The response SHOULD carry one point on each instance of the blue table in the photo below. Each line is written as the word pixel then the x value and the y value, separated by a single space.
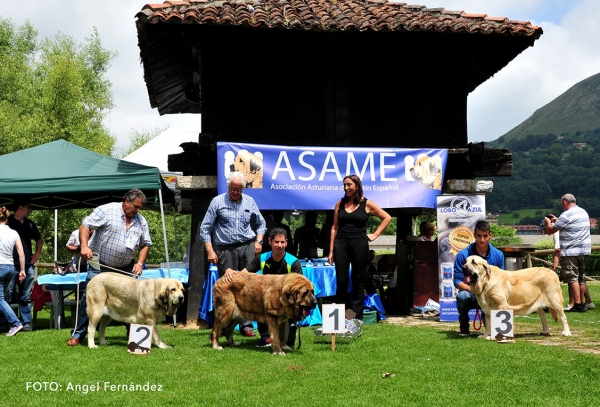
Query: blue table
pixel 323 278
pixel 71 279
pixel 69 282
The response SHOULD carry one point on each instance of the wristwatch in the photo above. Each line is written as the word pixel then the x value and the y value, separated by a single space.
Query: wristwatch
pixel 260 241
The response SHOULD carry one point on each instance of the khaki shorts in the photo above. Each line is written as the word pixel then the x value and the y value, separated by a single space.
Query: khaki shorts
pixel 572 269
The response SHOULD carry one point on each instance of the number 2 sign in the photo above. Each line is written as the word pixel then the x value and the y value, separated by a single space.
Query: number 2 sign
pixel 334 320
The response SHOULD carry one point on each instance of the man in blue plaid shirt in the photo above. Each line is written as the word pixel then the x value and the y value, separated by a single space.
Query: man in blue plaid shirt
pixel 120 232
pixel 228 224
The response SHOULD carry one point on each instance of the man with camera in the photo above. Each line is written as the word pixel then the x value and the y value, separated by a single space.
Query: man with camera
pixel 575 247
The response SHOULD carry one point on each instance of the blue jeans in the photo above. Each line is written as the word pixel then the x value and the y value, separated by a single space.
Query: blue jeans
pixel 25 295
pixel 24 289
pixel 83 320
pixel 8 277
pixel 466 301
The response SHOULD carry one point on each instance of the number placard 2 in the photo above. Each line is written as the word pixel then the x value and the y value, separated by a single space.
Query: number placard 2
pixel 334 320
pixel 140 339
pixel 502 323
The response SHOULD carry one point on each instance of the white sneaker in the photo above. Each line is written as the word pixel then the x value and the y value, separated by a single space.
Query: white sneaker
pixel 14 330
pixel 590 305
pixel 567 308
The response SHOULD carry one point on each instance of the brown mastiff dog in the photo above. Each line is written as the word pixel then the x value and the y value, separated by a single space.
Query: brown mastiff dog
pixel 125 299
pixel 271 299
pixel 523 291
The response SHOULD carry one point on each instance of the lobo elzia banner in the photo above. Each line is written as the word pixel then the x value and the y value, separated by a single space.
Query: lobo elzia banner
pixel 284 177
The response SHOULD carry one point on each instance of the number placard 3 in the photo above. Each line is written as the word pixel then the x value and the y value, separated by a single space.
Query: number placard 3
pixel 502 323
pixel 334 320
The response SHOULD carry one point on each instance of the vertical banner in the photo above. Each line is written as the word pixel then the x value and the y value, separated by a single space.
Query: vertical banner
pixel 456 219
pixel 290 178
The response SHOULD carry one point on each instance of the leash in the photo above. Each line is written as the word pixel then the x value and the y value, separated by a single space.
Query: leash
pixel 127 273
pixel 477 315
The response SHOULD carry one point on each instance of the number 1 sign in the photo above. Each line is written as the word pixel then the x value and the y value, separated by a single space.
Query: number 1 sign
pixel 334 320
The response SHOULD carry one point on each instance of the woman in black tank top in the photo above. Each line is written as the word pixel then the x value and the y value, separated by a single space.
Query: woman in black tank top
pixel 350 242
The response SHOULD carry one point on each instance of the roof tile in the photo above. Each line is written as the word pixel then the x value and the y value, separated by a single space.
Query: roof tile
pixel 334 15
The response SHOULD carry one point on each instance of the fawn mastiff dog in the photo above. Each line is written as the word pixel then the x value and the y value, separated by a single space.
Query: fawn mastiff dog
pixel 271 299
pixel 125 299
pixel 523 291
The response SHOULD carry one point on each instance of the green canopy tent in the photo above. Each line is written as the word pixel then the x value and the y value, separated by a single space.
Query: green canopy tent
pixel 61 175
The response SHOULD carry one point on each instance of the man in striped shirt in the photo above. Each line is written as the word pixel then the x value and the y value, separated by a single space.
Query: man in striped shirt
pixel 228 224
pixel 575 247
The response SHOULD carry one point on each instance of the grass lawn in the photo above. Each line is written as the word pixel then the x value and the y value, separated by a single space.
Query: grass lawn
pixel 431 366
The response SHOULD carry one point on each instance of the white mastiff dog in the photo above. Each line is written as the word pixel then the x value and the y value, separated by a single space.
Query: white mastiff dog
pixel 523 291
pixel 125 299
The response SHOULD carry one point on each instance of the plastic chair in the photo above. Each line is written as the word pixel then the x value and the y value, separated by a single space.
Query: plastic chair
pixel 50 305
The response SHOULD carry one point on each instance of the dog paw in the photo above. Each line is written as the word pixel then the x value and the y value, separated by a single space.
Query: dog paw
pixel 280 352
pixel 218 347
pixel 164 346
pixel 487 338
pixel 545 333
pixel 286 348
pixel 94 346
pixel 566 333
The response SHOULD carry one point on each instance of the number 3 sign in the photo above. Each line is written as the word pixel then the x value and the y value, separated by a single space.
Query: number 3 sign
pixel 502 323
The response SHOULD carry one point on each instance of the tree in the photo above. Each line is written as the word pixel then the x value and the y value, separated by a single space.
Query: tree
pixel 55 89
pixel 49 90
pixel 504 235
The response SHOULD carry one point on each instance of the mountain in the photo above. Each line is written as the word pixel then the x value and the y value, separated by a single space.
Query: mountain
pixel 578 109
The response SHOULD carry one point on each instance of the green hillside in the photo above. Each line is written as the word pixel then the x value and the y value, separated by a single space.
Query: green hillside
pixel 545 168
pixel 578 109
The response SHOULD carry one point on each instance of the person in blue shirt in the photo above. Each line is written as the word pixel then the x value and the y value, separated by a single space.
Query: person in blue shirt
pixel 465 299
pixel 232 231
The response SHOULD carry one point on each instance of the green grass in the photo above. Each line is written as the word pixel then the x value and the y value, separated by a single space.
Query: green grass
pixel 507 218
pixel 432 365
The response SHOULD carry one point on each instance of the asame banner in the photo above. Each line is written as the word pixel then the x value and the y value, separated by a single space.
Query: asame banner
pixel 304 178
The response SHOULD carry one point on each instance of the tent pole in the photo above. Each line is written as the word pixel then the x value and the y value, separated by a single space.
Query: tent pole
pixel 55 234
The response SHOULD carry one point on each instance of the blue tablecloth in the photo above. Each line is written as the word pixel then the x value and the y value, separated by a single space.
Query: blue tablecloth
pixel 71 278
pixel 323 278
pixel 206 305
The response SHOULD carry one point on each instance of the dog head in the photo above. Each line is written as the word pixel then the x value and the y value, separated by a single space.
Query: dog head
pixel 299 293
pixel 478 269
pixel 170 294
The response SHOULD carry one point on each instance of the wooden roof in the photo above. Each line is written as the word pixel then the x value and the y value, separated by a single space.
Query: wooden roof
pixel 172 33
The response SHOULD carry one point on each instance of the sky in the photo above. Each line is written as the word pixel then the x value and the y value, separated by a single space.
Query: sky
pixel 567 53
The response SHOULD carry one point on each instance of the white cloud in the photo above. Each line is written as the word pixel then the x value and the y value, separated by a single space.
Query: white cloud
pixel 568 52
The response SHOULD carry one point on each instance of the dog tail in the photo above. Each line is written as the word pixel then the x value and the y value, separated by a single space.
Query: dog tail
pixel 554 314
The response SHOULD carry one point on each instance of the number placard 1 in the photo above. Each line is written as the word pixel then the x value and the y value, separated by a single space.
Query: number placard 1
pixel 140 339
pixel 334 320
pixel 503 323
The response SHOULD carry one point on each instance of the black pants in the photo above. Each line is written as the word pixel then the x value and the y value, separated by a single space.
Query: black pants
pixel 263 330
pixel 353 251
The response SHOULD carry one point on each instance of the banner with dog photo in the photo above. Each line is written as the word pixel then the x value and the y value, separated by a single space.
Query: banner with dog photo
pixel 456 219
pixel 284 177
